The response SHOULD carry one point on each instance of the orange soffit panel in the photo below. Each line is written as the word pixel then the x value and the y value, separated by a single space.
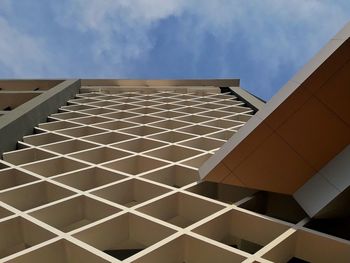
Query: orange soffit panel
pixel 294 135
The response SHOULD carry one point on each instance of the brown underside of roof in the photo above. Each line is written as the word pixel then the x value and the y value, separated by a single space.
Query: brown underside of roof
pixel 301 129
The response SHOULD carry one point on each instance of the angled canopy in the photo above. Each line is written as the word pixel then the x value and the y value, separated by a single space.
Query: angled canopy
pixel 291 139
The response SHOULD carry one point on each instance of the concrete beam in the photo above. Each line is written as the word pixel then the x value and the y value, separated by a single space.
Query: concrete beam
pixel 183 82
pixel 21 121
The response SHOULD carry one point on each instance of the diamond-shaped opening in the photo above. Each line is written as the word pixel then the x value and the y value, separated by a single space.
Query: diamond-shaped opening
pixel 234 228
pixel 199 129
pixel 187 103
pixel 168 114
pixel 34 195
pixel 146 110
pixel 20 146
pixel 174 153
pixel 194 118
pixel 151 96
pixel 4 213
pixel 233 109
pixel 19 157
pixel 91 120
pixel 74 213
pixel 139 145
pixel 124 236
pixel 90 95
pixel 144 119
pixel 128 99
pixel 186 97
pixel 97 111
pixel 147 103
pixel 270 204
pixel 124 106
pixel 175 176
pixel 61 251
pixel 81 131
pixel 3 166
pixel 109 138
pixel 166 94
pixel 144 96
pixel 135 165
pixel 222 135
pixel 223 97
pixel 120 115
pixel 143 130
pixel 100 155
pixel 205 144
pixel 89 178
pixel 239 117
pixel 67 115
pixel 11 177
pixel 168 106
pixel 38 130
pixel 115 125
pixel 237 128
pixel 224 124
pixel 76 107
pixel 191 110
pixel 226 96
pixel 131 192
pixel 221 192
pixel 69 146
pixel 57 125
pixel 18 234
pixel 107 97
pixel 216 114
pixel 230 102
pixel 197 162
pixel 166 100
pixel 205 99
pixel 103 103
pixel 237 109
pixel 180 209
pixel 44 138
pixel 303 246
pixel 189 249
pixel 171 124
pixel 172 136
pixel 210 106
pixel 112 96
pixel 82 101
pixel 54 167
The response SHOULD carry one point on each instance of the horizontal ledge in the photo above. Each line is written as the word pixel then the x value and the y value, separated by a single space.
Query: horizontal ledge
pixel 16 92
pixel 177 82
pixel 28 84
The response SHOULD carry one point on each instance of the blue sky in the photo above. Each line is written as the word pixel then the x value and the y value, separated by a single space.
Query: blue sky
pixel 261 42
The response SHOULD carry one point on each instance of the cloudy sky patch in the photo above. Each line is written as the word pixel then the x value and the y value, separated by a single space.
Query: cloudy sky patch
pixel 261 42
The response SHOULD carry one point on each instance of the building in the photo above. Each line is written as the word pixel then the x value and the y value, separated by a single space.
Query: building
pixel 177 170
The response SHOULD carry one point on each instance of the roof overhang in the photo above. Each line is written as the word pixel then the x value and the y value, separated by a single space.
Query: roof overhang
pixel 165 82
pixel 303 127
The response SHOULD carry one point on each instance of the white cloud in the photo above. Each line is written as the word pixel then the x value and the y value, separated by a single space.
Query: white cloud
pixel 22 55
pixel 274 32
pixel 5 6
pixel 121 34
pixel 123 27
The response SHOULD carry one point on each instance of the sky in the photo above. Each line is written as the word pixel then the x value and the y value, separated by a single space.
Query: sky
pixel 263 43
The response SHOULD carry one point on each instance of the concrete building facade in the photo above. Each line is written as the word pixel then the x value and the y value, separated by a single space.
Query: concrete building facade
pixel 177 170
